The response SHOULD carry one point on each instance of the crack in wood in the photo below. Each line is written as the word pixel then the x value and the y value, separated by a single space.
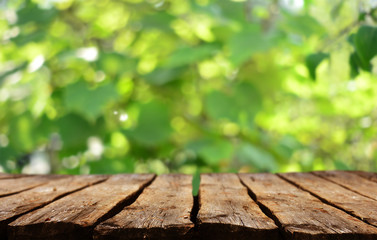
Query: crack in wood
pixel 344 185
pixel 323 200
pixel 302 215
pixel 167 202
pixel 371 176
pixel 4 223
pixel 316 213
pixel 265 210
pixel 121 205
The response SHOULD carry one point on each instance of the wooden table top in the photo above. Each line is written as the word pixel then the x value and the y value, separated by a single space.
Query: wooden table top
pixel 317 205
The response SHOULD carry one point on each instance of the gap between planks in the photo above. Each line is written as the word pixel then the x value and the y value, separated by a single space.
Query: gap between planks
pixel 161 212
pixel 11 186
pixel 115 210
pixel 264 209
pixel 120 206
pixel 372 176
pixel 351 181
pixel 294 228
pixel 227 211
pixel 75 215
pixel 196 207
pixel 30 200
pixel 341 195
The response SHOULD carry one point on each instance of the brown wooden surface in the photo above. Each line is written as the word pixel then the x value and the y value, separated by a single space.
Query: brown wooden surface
pixel 8 175
pixel 351 181
pixel 227 211
pixel 73 216
pixel 15 185
pixel 319 205
pixel 368 175
pixel 161 212
pixel 351 202
pixel 15 205
pixel 302 216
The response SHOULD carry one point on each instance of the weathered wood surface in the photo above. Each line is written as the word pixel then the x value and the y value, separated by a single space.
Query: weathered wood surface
pixel 18 204
pixel 7 175
pixel 10 186
pixel 73 216
pixel 319 205
pixel 302 216
pixel 161 212
pixel 351 202
pixel 226 211
pixel 351 181
pixel 368 175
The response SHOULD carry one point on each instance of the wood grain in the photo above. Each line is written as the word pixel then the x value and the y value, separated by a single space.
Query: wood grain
pixel 351 181
pixel 8 175
pixel 161 212
pixel 301 215
pixel 15 205
pixel 73 216
pixel 226 211
pixel 368 175
pixel 351 202
pixel 16 185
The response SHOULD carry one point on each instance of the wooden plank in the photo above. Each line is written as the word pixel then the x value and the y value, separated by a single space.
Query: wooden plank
pixel 351 181
pixel 301 215
pixel 161 212
pixel 9 175
pixel 16 185
pixel 73 216
pixel 18 204
pixel 351 202
pixel 227 211
pixel 372 176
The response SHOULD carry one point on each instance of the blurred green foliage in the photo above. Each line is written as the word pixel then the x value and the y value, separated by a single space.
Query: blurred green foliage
pixel 187 86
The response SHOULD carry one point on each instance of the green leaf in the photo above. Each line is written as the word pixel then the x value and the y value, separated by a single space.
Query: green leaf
pixel 221 106
pixel 90 103
pixel 336 9
pixel 354 62
pixel 216 151
pixel 35 36
pixel 74 132
pixel 161 76
pixel 287 146
pixel 245 43
pixel 112 166
pixel 7 153
pixel 195 183
pixel 21 133
pixel 256 157
pixel 248 99
pixel 313 60
pixel 159 20
pixel 189 55
pixel 230 10
pixel 362 16
pixel 32 13
pixel 350 38
pixel 373 14
pixel 304 25
pixel 115 63
pixel 339 165
pixel 365 43
pixel 212 150
pixel 153 125
pixel 243 100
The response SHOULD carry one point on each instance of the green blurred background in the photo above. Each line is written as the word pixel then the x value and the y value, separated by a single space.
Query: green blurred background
pixel 112 86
